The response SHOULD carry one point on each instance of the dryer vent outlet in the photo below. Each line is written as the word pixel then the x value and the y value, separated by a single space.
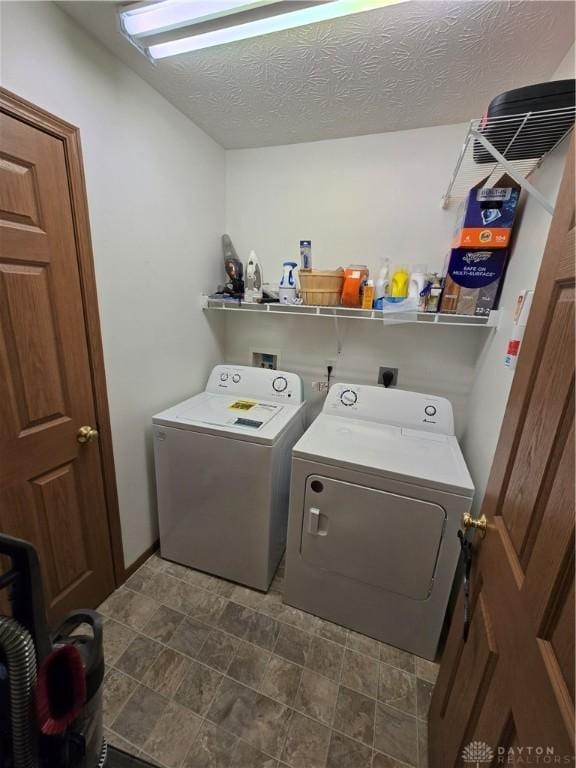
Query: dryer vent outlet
pixel 384 376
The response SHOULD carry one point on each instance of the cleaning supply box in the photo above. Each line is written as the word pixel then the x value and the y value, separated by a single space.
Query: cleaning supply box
pixel 473 280
pixel 486 217
pixel 354 278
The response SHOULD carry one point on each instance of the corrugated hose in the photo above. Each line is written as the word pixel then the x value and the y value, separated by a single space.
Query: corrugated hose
pixel 18 647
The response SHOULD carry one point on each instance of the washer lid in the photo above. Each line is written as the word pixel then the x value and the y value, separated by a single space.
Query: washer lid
pixel 243 418
pixel 423 458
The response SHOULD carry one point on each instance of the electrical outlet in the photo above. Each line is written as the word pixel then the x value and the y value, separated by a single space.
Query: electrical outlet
pixel 320 386
pixel 385 369
pixel 265 360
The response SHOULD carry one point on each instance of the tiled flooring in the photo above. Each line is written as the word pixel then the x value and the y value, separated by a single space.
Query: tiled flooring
pixel 203 673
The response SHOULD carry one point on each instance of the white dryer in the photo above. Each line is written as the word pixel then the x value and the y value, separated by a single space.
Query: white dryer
pixel 223 473
pixel 378 489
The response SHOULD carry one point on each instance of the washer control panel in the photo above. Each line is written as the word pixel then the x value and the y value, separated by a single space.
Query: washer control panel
pixel 411 410
pixel 260 383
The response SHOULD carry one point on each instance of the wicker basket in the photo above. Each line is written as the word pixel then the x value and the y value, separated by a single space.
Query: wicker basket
pixel 321 288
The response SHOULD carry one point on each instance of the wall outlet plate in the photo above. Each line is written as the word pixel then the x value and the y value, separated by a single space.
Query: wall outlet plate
pixel 264 360
pixel 384 369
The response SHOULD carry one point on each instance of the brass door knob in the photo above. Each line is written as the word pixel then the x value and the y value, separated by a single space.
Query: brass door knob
pixel 86 434
pixel 479 523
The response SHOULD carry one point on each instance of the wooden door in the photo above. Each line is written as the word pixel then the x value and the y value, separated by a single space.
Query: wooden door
pixel 511 686
pixel 52 490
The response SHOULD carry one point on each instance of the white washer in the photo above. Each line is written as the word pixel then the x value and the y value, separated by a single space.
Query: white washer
pixel 378 489
pixel 223 473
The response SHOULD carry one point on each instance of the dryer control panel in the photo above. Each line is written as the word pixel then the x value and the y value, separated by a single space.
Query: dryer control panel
pixel 260 383
pixel 411 410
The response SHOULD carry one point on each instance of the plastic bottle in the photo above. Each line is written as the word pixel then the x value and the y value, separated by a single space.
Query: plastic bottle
pixel 418 279
pixel 287 287
pixel 368 294
pixel 433 300
pixel 399 282
pixel 382 283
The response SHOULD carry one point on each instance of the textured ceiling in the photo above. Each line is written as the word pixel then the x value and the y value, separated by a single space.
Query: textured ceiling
pixel 404 66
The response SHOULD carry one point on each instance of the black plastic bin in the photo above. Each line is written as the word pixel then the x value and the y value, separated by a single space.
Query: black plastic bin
pixel 518 137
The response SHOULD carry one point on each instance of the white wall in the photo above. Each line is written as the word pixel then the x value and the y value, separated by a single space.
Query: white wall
pixel 156 195
pixel 360 198
pixel 156 198
pixel 492 380
pixel 434 360
pixel 357 199
pixel 567 66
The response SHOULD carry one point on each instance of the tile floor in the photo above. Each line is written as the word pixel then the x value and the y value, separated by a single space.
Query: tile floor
pixel 202 673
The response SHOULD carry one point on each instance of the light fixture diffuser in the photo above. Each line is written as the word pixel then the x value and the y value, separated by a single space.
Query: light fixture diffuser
pixel 175 14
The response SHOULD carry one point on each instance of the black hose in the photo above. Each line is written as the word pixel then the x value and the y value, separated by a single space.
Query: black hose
pixel 20 653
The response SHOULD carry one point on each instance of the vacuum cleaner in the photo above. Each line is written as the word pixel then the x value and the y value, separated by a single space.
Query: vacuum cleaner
pixel 50 682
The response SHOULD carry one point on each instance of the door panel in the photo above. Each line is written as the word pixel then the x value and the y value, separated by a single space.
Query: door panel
pixel 538 434
pixel 560 637
pixel 472 669
pixel 524 568
pixel 19 201
pixel 51 488
pixel 31 343
pixel 58 504
pixel 373 536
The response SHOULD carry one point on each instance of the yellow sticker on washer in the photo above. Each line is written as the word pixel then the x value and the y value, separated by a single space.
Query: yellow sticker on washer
pixel 242 405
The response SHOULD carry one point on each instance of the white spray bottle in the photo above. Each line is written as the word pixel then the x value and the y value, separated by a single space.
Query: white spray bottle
pixel 382 286
pixel 253 280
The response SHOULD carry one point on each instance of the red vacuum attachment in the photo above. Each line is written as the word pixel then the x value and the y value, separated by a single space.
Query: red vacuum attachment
pixel 60 690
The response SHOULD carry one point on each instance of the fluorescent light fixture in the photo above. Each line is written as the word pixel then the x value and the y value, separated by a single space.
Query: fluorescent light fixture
pixel 171 14
pixel 190 12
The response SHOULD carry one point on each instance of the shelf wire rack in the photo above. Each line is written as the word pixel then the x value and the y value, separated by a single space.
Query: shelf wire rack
pixel 514 145
pixel 345 313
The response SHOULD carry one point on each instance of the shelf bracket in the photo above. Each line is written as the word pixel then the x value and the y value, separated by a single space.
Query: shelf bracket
pixel 511 171
pixel 337 332
pixel 454 176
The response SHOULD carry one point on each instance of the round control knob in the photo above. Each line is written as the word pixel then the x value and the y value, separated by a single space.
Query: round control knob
pixel 430 410
pixel 223 377
pixel 280 383
pixel 236 378
pixel 348 397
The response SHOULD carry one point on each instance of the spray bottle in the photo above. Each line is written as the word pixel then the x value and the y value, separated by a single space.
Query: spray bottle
pixel 382 286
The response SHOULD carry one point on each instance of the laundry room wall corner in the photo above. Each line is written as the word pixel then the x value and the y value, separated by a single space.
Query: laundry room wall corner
pixel 344 195
pixel 155 186
pixel 492 380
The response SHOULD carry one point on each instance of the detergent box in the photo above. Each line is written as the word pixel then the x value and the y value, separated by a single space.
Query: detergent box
pixel 486 217
pixel 472 281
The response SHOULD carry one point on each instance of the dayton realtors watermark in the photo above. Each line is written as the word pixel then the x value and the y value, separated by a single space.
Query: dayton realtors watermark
pixel 480 755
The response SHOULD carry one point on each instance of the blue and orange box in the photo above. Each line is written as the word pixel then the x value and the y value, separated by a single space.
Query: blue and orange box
pixel 486 217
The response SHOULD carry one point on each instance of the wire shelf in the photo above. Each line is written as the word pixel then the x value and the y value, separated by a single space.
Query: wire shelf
pixel 306 310
pixel 515 145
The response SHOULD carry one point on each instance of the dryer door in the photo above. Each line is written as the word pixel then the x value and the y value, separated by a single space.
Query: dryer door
pixel 372 536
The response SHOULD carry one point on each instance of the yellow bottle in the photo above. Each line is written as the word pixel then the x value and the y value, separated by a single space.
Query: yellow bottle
pixel 399 282
pixel 368 294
